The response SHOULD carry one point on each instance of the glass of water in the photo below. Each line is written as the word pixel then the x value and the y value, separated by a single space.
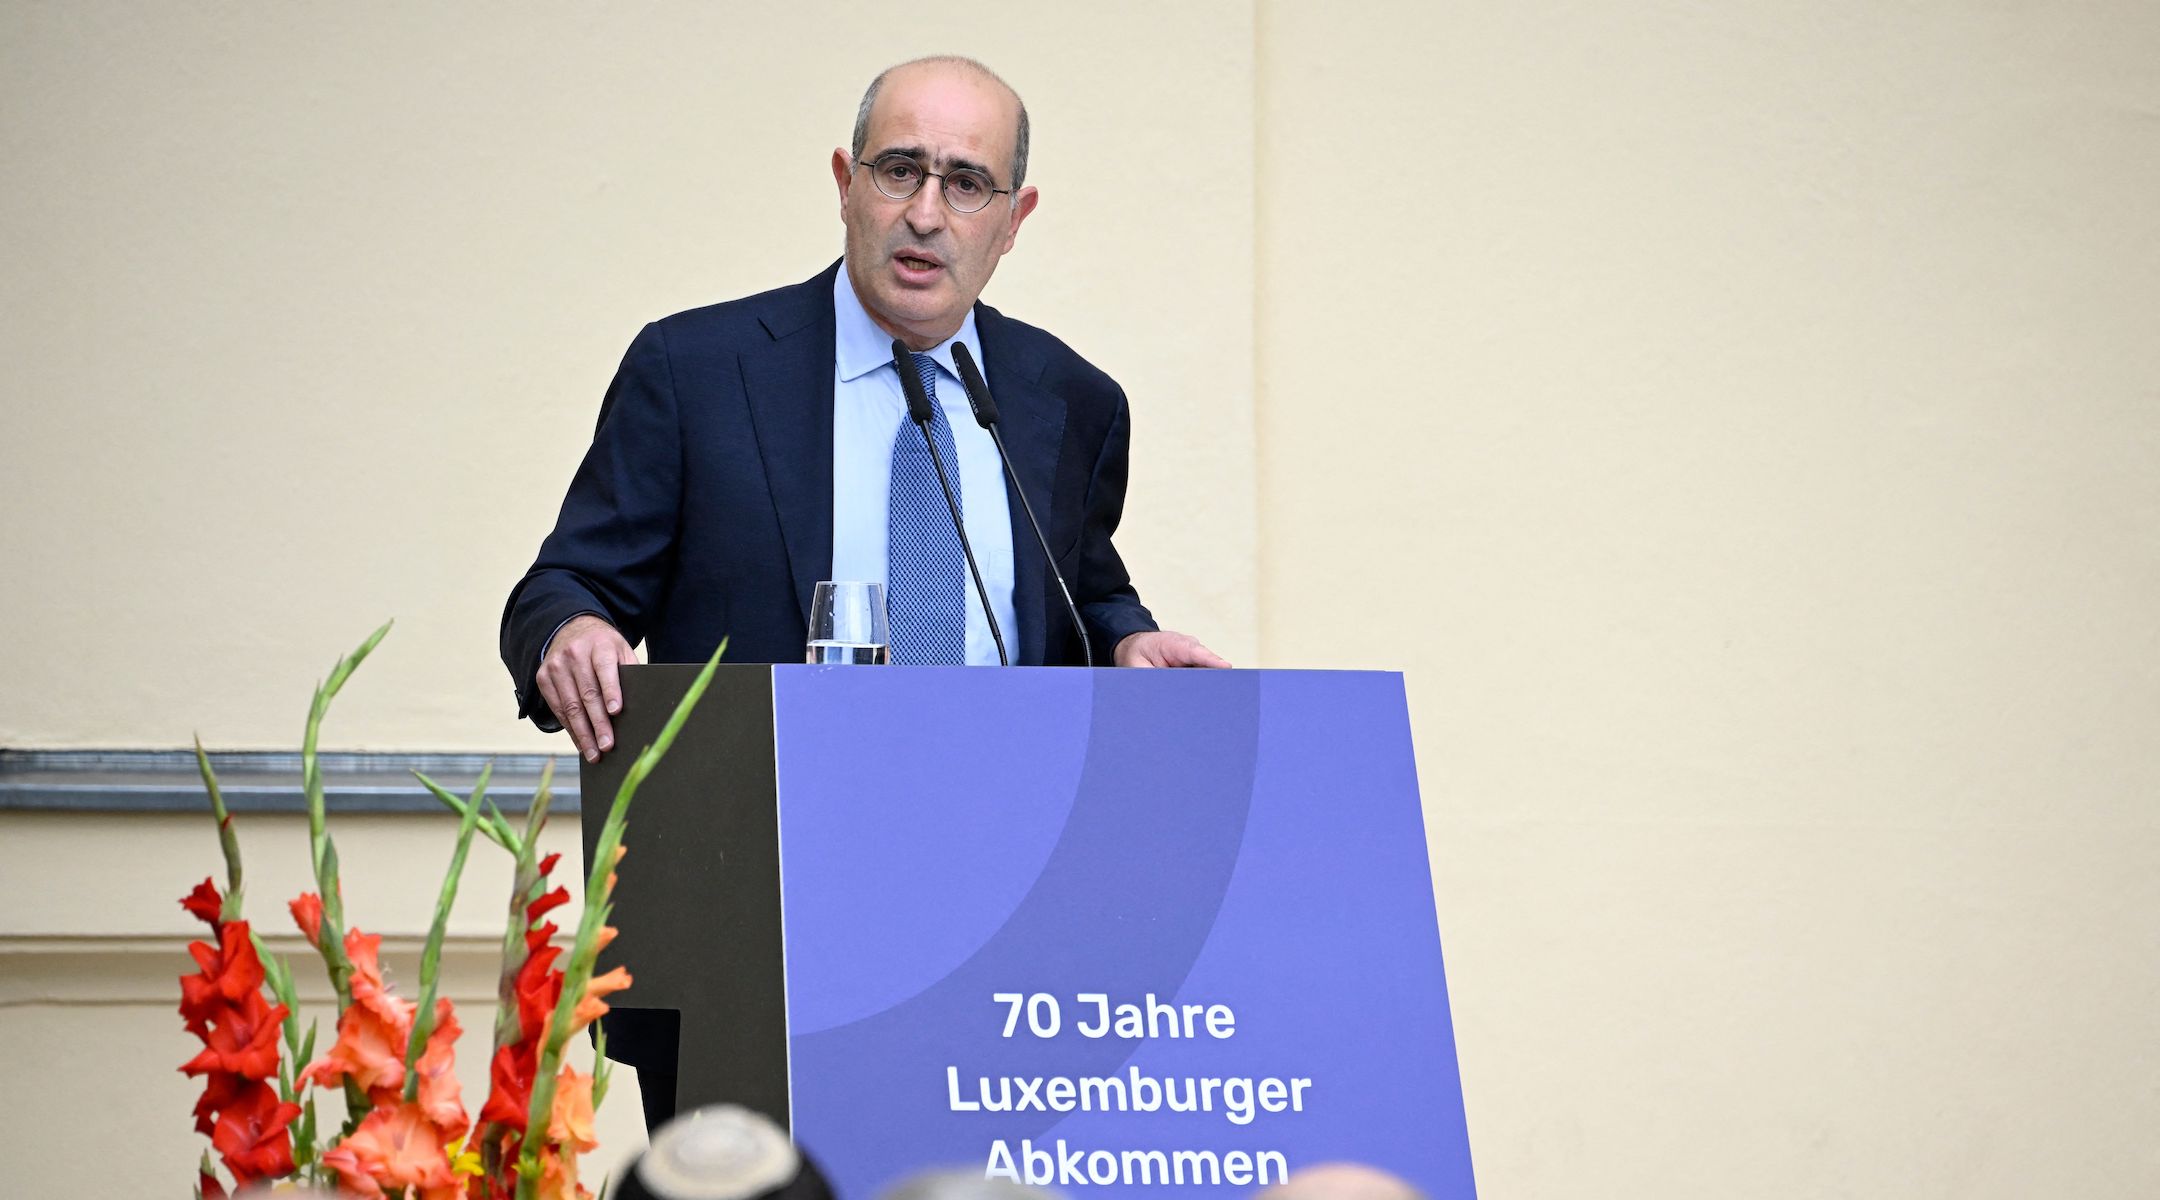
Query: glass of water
pixel 847 623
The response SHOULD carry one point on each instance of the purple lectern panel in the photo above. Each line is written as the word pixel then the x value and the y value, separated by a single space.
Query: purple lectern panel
pixel 1131 931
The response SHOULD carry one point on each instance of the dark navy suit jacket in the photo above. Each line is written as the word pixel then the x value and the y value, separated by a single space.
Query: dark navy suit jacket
pixel 703 509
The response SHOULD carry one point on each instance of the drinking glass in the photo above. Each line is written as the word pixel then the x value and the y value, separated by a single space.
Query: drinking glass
pixel 847 623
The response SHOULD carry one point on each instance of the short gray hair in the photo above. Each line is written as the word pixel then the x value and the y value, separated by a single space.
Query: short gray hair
pixel 870 95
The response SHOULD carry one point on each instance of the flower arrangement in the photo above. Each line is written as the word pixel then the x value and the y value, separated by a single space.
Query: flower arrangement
pixel 406 1132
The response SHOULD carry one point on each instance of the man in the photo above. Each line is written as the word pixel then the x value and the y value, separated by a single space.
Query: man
pixel 748 450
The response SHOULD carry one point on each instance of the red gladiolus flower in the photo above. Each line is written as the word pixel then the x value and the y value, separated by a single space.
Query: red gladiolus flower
pixel 219 1089
pixel 511 1071
pixel 205 903
pixel 510 1082
pixel 223 1005
pixel 538 986
pixel 242 1039
pixel 535 935
pixel 308 915
pixel 254 1137
pixel 224 975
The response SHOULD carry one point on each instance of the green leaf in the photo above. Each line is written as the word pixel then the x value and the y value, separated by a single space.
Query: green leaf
pixel 500 829
pixel 457 804
pixel 431 956
pixel 304 1140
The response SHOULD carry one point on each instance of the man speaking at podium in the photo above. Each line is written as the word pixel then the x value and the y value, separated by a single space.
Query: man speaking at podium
pixel 747 450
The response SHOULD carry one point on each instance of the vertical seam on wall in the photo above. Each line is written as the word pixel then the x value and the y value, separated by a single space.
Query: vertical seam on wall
pixel 1258 294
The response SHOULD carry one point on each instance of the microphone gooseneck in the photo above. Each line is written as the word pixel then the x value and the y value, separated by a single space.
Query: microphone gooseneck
pixel 986 415
pixel 920 412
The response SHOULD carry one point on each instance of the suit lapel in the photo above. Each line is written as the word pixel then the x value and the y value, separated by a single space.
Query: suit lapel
pixel 789 381
pixel 1032 420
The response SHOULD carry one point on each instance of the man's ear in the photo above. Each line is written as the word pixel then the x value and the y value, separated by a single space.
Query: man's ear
pixel 843 174
pixel 1023 203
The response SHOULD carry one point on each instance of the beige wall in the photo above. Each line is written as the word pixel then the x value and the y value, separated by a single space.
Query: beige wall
pixel 313 307
pixel 1740 424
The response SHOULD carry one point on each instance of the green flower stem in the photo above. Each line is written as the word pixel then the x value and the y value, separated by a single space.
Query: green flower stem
pixel 322 851
pixel 228 837
pixel 431 955
pixel 579 970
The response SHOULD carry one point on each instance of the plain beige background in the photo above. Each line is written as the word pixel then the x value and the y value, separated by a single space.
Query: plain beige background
pixel 1738 422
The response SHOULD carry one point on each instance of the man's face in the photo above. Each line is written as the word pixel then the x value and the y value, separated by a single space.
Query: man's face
pixel 916 264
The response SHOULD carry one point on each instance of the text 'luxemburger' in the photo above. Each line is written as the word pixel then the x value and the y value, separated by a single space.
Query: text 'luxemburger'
pixel 1238 1098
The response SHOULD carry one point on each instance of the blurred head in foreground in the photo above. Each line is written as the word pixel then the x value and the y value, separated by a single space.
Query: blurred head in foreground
pixel 962 1185
pixel 722 1152
pixel 1340 1181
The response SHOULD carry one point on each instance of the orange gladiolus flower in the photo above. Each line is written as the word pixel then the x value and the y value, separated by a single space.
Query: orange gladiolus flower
pixel 558 1179
pixel 396 1148
pixel 570 1122
pixel 593 1006
pixel 439 1097
pixel 307 913
pixel 370 1046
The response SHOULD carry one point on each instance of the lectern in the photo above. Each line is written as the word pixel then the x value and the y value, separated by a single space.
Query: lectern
pixel 1146 931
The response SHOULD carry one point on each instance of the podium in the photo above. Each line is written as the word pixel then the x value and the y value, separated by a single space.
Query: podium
pixel 1110 929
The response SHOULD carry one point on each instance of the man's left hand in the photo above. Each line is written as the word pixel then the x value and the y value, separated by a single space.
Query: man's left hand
pixel 1163 648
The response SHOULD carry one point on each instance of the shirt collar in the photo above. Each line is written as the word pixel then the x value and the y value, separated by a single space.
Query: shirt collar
pixel 860 347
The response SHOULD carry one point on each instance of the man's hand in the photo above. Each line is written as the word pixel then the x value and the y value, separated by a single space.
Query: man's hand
pixel 578 680
pixel 1162 648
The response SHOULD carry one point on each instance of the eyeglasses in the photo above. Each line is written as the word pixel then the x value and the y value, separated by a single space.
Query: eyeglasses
pixel 899 176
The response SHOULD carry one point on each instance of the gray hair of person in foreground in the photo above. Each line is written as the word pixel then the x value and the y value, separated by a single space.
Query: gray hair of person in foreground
pixel 870 95
pixel 962 1185
pixel 1340 1181
pixel 722 1152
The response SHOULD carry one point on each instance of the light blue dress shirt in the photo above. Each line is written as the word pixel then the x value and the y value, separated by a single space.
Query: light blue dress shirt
pixel 868 411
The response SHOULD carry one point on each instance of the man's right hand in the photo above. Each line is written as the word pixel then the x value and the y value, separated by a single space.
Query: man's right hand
pixel 578 680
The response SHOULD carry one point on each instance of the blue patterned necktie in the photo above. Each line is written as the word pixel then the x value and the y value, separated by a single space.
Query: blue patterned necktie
pixel 925 574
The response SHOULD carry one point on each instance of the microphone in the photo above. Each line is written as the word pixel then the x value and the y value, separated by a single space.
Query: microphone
pixel 918 406
pixel 986 415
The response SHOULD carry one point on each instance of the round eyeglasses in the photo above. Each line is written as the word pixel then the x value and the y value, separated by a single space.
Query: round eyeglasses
pixel 899 176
